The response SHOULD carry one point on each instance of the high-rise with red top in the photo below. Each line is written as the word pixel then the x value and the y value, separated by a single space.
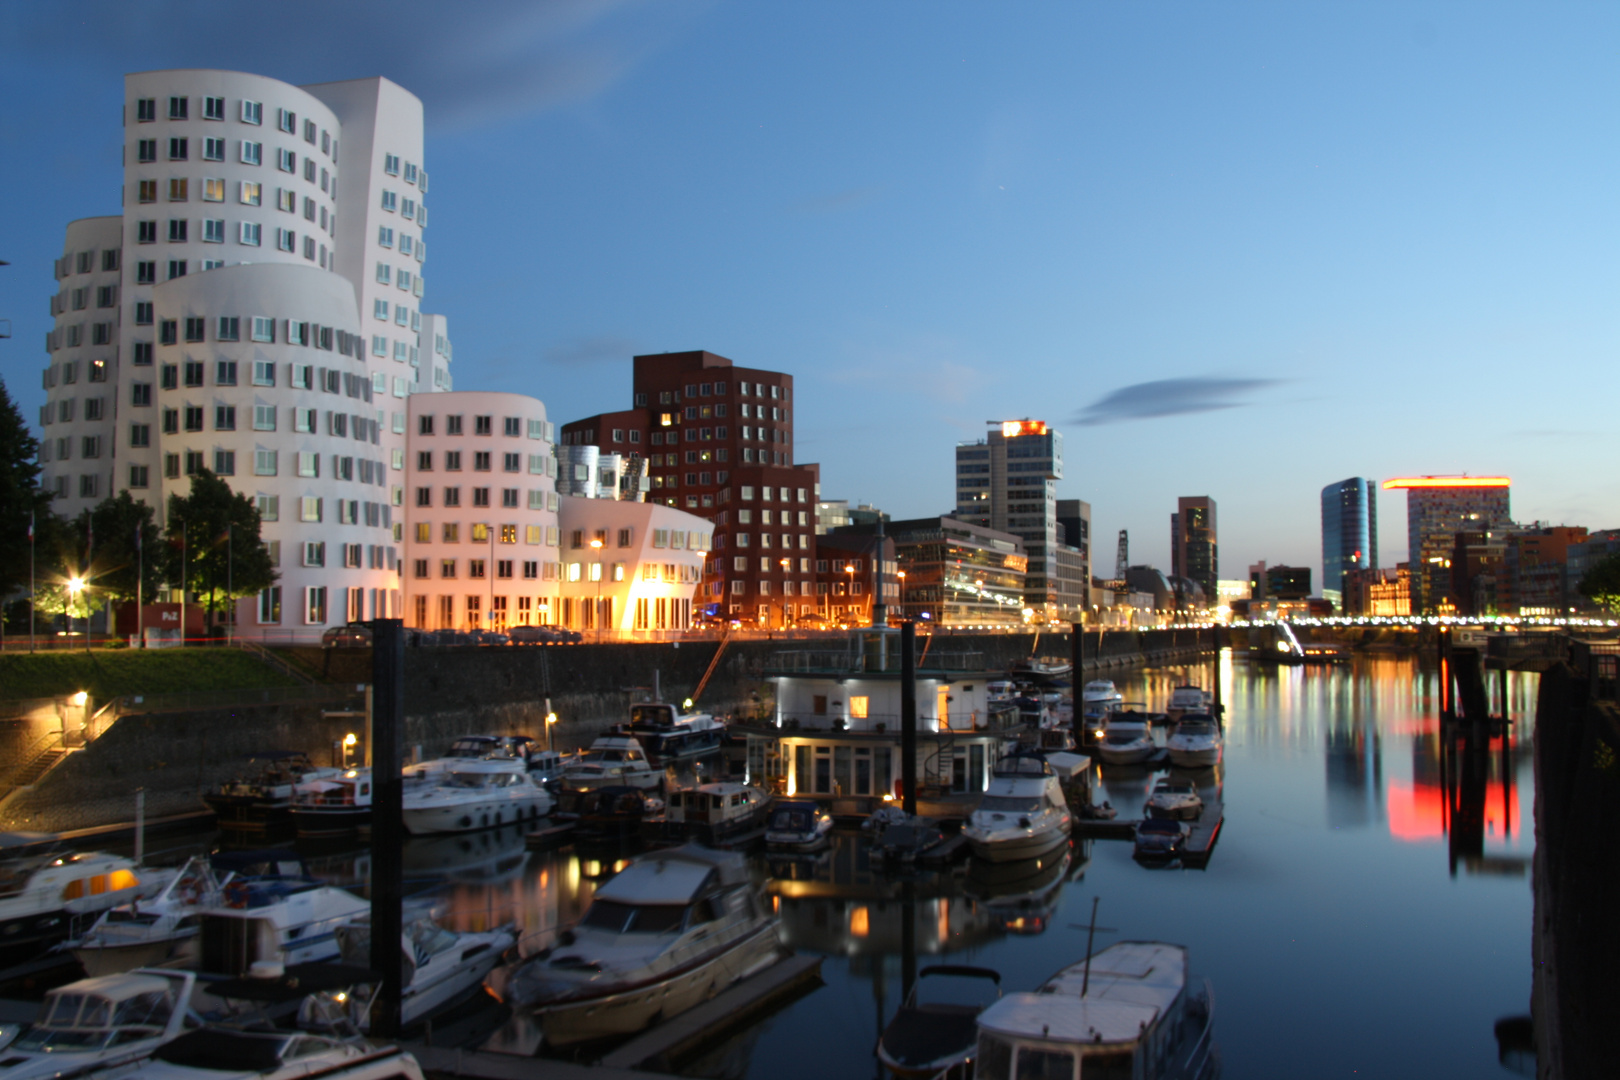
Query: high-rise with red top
pixel 718 441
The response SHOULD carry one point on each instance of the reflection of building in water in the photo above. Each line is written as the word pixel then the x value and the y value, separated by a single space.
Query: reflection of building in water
pixel 548 895
pixel 1355 783
pixel 1464 788
pixel 841 904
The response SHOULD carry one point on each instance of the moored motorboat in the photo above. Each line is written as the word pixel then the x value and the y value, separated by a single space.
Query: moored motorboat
pixel 666 734
pixel 1187 699
pixel 715 814
pixel 219 1053
pixel 1195 741
pixel 333 805
pixel 1161 838
pixel 102 1025
pixel 928 1038
pixel 1022 814
pixel 613 811
pixel 672 929
pixel 272 911
pixel 798 825
pixel 611 761
pixel 1174 799
pixel 1100 695
pixel 475 794
pixel 518 748
pixel 1127 1012
pixel 440 966
pixel 265 800
pixel 1126 740
pixel 159 930
pixel 45 893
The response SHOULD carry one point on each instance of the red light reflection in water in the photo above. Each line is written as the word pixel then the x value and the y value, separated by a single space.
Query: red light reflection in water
pixel 1417 810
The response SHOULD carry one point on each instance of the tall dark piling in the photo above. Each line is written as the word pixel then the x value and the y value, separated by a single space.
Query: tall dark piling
pixel 908 716
pixel 387 824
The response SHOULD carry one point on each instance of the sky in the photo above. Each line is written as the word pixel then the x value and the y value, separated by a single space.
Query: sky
pixel 1241 250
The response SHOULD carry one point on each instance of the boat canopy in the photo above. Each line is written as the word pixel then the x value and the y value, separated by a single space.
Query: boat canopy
pixel 223 1050
pixel 1054 1018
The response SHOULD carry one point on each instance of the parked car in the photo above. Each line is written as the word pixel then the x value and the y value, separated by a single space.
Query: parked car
pixel 348 636
pixel 543 635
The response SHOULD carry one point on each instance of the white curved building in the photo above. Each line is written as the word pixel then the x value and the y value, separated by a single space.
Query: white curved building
pixel 308 204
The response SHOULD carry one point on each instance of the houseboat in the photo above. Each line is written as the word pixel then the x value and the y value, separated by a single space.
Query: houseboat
pixel 666 734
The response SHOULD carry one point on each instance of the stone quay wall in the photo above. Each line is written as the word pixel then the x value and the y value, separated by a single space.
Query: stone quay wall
pixel 450 692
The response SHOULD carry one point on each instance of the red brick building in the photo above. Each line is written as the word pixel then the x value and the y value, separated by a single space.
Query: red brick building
pixel 718 442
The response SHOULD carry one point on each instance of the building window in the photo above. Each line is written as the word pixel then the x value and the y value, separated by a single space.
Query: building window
pixel 264 461
pixel 225 462
pixel 315 605
pixel 177 230
pixel 252 153
pixel 177 149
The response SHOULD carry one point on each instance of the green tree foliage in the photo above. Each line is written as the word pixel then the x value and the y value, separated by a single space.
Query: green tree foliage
pixel 115 560
pixel 213 543
pixel 1601 585
pixel 20 495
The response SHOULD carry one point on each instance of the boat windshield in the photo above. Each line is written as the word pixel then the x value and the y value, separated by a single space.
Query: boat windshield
pixel 795 820
pixel 617 918
pixel 1195 727
pixel 470 779
pixel 1119 738
pixel 1007 804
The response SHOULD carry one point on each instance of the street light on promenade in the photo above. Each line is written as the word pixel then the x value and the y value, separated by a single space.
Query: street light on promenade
pixel 597 544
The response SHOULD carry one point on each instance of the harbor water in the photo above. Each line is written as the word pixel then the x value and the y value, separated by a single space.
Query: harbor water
pixel 1366 908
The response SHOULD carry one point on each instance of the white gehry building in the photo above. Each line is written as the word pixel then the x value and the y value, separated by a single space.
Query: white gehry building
pixel 256 310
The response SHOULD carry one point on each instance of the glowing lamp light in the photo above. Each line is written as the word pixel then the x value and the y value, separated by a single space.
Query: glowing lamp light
pixel 80 698
pixel 350 739
pixel 687 704
pixel 551 718
pixel 1447 482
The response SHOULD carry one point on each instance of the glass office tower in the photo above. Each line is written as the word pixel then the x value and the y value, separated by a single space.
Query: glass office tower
pixel 1349 531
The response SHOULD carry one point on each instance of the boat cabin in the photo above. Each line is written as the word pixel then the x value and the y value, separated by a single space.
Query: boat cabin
pixel 714 804
pixel 96 1014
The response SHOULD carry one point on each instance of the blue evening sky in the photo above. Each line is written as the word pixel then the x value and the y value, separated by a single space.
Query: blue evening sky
pixel 1233 249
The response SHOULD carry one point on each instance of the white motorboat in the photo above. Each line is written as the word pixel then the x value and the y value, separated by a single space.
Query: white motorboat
pixel 474 748
pixel 1175 799
pixel 147 933
pixel 475 794
pixel 715 813
pixel 333 805
pixel 1023 812
pixel 1187 699
pixel 1001 692
pixel 216 1053
pixel 672 929
pixel 1127 1012
pixel 281 917
pixel 611 761
pixel 1100 695
pixel 1126 739
pixel 100 1026
pixel 798 825
pixel 666 734
pixel 441 966
pixel 45 893
pixel 547 765
pixel 1195 741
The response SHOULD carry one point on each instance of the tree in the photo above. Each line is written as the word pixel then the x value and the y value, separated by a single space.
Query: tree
pixel 213 543
pixel 115 559
pixel 1601 585
pixel 20 495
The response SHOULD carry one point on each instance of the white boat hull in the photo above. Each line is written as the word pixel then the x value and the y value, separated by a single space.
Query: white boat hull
pixel 1013 848
pixel 632 1010
pixel 474 815
pixel 127 956
pixel 1197 759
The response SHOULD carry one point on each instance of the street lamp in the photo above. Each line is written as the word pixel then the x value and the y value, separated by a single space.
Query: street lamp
pixel 75 587
pixel 902 575
pixel 849 568
pixel 597 544
pixel 787 568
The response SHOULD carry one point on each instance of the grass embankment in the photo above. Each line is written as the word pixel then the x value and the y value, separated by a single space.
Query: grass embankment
pixel 108 673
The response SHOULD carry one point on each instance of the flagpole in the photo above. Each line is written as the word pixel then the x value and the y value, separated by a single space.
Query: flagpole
pixel 183 569
pixel 140 572
pixel 30 581
pixel 230 595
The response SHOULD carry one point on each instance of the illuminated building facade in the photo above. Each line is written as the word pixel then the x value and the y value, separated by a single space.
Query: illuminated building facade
pixel 1349 532
pixel 1194 548
pixel 716 440
pixel 956 573
pixel 1437 508
pixel 1008 482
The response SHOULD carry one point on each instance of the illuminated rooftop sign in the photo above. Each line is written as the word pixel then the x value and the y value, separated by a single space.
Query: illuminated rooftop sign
pixel 1011 429
pixel 1447 482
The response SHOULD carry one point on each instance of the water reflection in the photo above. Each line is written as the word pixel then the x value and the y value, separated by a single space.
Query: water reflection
pixel 1346 808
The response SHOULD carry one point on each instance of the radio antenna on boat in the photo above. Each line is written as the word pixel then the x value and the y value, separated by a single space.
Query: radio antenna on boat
pixel 1091 936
